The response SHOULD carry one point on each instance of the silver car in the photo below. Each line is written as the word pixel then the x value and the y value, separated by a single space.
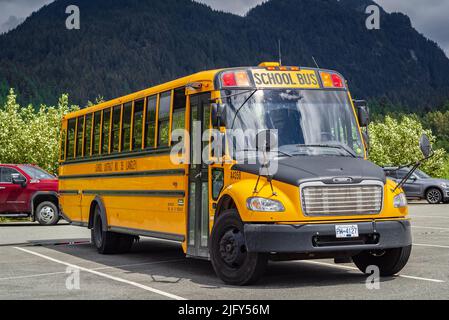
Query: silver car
pixel 420 185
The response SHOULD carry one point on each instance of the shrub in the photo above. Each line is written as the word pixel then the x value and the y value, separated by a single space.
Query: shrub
pixel 395 142
pixel 30 136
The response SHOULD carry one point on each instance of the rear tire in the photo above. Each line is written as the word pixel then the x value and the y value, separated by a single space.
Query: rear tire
pixel 230 260
pixel 434 196
pixel 106 242
pixel 47 213
pixel 389 261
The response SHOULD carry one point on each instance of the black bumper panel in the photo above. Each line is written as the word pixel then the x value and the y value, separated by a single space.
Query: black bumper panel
pixel 306 238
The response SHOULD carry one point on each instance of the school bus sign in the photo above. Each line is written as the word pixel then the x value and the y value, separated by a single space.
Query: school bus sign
pixel 291 79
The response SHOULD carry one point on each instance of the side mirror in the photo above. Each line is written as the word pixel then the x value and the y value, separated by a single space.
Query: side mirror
pixel 18 179
pixel 362 112
pixel 426 146
pixel 218 115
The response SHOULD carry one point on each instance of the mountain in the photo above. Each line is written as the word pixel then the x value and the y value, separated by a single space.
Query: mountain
pixel 128 45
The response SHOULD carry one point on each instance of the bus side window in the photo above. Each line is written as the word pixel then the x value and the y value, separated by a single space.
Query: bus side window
pixel 62 155
pixel 164 119
pixel 71 139
pixel 126 127
pixel 87 135
pixel 115 135
pixel 179 111
pixel 105 131
pixel 96 135
pixel 138 124
pixel 79 137
pixel 150 127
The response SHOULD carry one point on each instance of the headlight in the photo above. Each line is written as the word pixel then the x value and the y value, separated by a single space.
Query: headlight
pixel 264 205
pixel 400 201
pixel 445 185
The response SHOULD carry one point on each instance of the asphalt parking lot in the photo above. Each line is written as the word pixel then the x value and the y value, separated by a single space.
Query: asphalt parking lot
pixel 43 263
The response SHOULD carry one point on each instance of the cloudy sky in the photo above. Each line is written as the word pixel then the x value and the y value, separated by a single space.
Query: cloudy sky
pixel 429 17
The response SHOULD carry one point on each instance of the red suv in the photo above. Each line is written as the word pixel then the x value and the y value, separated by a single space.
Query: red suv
pixel 27 190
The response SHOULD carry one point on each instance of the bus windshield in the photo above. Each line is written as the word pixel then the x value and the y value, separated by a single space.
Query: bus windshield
pixel 308 122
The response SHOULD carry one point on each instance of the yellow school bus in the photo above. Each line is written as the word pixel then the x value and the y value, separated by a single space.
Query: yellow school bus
pixel 323 199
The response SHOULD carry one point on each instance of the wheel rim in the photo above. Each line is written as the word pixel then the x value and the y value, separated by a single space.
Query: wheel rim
pixel 233 248
pixel 47 214
pixel 98 232
pixel 434 196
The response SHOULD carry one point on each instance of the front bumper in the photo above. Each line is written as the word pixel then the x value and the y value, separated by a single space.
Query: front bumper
pixel 320 238
pixel 446 194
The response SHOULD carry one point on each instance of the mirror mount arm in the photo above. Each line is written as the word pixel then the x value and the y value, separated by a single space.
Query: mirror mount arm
pixel 415 167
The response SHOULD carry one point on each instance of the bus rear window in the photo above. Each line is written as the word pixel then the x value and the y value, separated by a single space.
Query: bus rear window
pixel 164 119
pixel 71 139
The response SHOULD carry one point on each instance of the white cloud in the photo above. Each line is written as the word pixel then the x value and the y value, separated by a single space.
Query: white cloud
pixel 17 8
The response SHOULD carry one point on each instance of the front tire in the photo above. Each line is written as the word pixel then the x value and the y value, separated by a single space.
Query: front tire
pixel 230 259
pixel 389 261
pixel 434 196
pixel 47 213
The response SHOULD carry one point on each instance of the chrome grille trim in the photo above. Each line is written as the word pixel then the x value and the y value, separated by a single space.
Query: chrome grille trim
pixel 319 199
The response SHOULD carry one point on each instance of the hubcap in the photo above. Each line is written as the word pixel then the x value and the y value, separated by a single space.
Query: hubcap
pixel 47 214
pixel 232 248
pixel 434 196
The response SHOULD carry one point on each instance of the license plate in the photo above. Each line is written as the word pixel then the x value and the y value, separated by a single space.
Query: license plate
pixel 347 231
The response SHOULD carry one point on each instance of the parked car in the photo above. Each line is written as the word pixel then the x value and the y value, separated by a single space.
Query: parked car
pixel 420 185
pixel 28 191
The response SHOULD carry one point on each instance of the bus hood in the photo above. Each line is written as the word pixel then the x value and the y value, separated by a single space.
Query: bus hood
pixel 330 170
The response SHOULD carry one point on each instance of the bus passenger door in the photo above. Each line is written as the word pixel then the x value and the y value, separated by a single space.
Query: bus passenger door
pixel 198 220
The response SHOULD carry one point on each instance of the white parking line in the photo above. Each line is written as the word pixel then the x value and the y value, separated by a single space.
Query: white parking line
pixel 95 269
pixel 430 245
pixel 432 228
pixel 354 268
pixel 426 216
pixel 104 275
pixel 32 276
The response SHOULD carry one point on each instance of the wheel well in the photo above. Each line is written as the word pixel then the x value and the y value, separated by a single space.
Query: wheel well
pixel 225 203
pixel 433 187
pixel 45 197
pixel 93 205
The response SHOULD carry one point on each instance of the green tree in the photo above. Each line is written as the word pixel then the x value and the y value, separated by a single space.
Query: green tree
pixel 395 142
pixel 30 136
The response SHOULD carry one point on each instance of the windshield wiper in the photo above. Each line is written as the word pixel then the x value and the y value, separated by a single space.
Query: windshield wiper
pixel 241 107
pixel 333 146
pixel 278 151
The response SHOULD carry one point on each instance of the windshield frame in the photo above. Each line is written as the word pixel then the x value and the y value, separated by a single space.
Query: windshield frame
pixel 29 170
pixel 352 116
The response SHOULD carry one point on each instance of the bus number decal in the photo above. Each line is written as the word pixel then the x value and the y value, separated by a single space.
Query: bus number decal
pixel 236 175
pixel 130 165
